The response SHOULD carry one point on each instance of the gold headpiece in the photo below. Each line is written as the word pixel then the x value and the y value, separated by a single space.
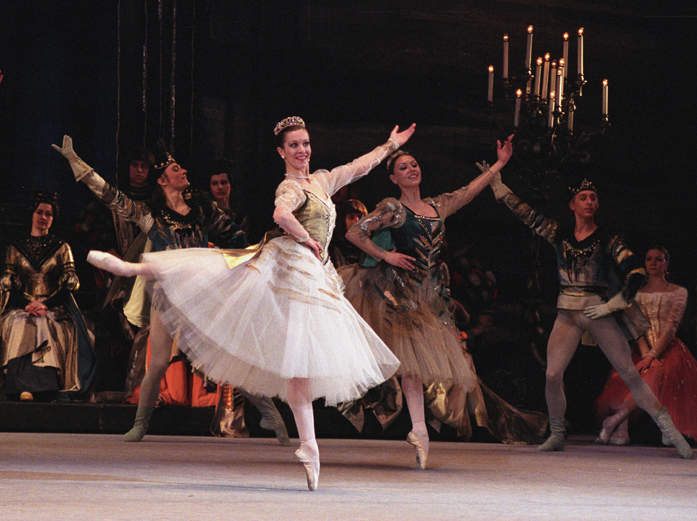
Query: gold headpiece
pixel 585 185
pixel 166 161
pixel 162 156
pixel 293 121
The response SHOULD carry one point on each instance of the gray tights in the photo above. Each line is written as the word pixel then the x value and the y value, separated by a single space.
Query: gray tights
pixel 563 341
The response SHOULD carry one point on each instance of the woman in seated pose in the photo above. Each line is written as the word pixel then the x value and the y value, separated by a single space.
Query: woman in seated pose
pixel 586 255
pixel 662 360
pixel 271 319
pixel 46 347
pixel 403 297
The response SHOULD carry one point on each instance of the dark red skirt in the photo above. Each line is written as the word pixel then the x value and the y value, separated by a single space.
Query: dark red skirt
pixel 674 383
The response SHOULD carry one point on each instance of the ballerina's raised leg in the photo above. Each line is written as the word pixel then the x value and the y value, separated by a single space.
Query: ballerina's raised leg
pixel 113 264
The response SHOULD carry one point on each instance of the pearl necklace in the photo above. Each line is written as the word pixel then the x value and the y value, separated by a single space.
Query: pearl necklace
pixel 298 177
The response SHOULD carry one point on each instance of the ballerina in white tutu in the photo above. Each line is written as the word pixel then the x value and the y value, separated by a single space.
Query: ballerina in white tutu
pixel 272 319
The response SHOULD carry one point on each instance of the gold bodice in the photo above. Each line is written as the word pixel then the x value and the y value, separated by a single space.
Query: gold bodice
pixel 39 268
pixel 318 218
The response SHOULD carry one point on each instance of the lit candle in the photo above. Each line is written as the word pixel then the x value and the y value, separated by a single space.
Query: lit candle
pixel 538 78
pixel 565 51
pixel 605 99
pixel 579 65
pixel 516 117
pixel 545 77
pixel 550 114
pixel 490 94
pixel 560 82
pixel 505 56
pixel 553 77
pixel 528 50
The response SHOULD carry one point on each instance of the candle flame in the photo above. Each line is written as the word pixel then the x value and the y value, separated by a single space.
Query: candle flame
pixel 604 83
pixel 519 93
pixel 491 68
pixel 580 31
pixel 561 62
pixel 505 37
pixel 547 57
pixel 539 61
pixel 560 70
pixel 553 94
pixel 554 64
pixel 530 28
pixel 566 36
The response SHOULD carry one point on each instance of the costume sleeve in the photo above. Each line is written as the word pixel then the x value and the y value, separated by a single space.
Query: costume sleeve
pixel 389 213
pixel 545 228
pixel 340 176
pixel 677 309
pixel 225 232
pixel 630 267
pixel 289 196
pixel 8 279
pixel 451 202
pixel 68 277
pixel 133 211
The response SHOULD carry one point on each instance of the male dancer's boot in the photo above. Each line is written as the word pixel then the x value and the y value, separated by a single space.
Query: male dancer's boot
pixel 270 417
pixel 557 436
pixel 671 435
pixel 140 426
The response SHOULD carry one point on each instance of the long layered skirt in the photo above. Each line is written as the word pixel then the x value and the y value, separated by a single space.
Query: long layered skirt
pixel 413 319
pixel 257 318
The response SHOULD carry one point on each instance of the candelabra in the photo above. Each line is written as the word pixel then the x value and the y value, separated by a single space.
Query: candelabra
pixel 540 105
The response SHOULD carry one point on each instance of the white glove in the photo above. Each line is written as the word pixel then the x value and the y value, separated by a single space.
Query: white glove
pixel 79 167
pixel 616 303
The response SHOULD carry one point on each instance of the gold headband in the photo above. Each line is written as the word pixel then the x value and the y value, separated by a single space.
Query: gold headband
pixel 293 121
pixel 585 185
pixel 168 161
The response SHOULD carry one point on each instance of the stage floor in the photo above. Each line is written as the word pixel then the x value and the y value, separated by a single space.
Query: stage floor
pixel 98 476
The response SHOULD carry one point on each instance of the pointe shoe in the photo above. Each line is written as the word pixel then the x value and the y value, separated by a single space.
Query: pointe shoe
pixel 311 467
pixel 110 263
pixel 421 450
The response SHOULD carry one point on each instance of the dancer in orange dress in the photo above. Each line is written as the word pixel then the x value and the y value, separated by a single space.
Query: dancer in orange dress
pixel 663 361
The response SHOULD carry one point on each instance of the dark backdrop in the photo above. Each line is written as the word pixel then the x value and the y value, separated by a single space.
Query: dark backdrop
pixel 213 77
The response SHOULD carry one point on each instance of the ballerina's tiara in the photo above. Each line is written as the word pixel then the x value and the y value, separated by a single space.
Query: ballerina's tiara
pixel 585 185
pixel 393 157
pixel 293 121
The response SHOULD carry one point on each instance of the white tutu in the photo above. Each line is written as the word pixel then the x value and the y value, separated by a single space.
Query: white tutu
pixel 278 316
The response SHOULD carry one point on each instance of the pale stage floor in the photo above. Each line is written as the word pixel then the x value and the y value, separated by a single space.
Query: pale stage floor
pixel 100 477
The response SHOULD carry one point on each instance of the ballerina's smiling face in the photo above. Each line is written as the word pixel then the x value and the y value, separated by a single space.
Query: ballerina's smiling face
pixel 296 150
pixel 406 172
